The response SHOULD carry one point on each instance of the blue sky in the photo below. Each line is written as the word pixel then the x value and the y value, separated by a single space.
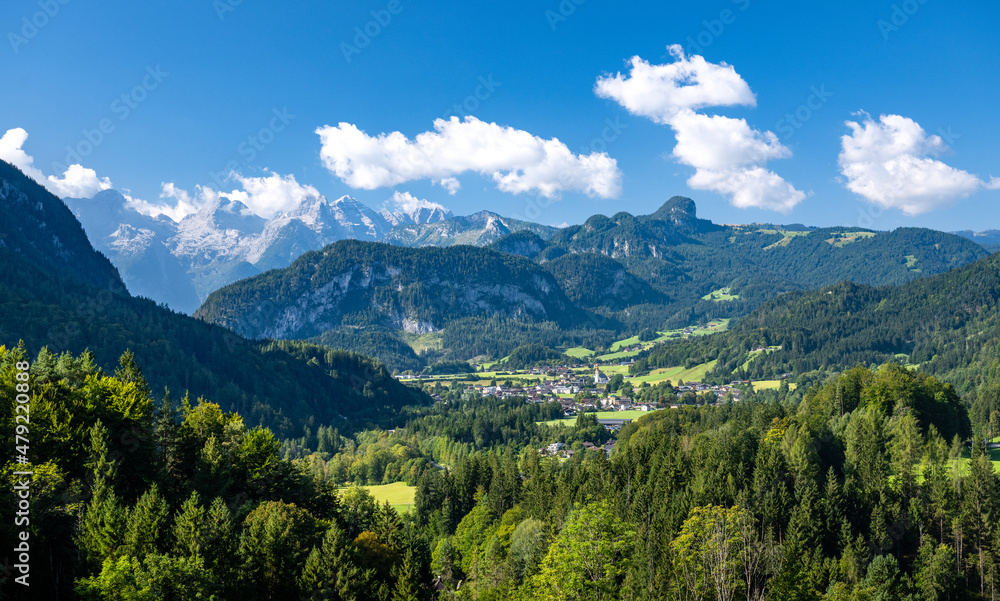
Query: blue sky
pixel 183 88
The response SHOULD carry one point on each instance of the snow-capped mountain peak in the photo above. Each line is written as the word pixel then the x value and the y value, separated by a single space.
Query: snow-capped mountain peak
pixel 405 209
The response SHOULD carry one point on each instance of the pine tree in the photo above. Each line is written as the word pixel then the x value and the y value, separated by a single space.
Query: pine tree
pixel 129 372
pixel 407 588
pixel 100 533
pixel 188 526
pixel 145 525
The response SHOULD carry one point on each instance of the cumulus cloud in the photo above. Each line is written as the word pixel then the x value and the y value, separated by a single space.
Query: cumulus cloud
pixel 659 92
pixel 264 196
pixel 76 182
pixel 10 151
pixel 268 196
pixel 729 156
pixel 177 203
pixel 408 203
pixel 889 163
pixel 516 160
pixel 451 184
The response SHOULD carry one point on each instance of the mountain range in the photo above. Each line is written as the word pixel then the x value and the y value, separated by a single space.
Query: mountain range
pixel 180 264
pixel 947 325
pixel 60 294
pixel 338 272
pixel 606 277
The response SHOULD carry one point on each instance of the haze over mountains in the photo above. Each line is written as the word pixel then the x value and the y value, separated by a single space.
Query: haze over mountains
pixel 606 277
pixel 525 285
pixel 59 293
pixel 181 264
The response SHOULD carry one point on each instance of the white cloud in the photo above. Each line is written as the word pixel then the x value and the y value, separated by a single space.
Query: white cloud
pixel 716 142
pixel 10 151
pixel 182 206
pixel 408 203
pixel 451 184
pixel 268 196
pixel 659 92
pixel 76 182
pixel 264 196
pixel 516 160
pixel 888 163
pixel 729 157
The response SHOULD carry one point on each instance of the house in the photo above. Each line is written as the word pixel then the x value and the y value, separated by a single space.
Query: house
pixel 555 447
pixel 610 446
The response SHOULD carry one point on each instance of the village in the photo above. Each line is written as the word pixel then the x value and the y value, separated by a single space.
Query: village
pixel 590 390
pixel 605 388
pixel 579 393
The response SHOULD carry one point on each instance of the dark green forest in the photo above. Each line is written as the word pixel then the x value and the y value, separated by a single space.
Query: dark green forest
pixel 173 459
pixel 946 324
pixel 860 487
pixel 606 279
pixel 380 284
pixel 280 384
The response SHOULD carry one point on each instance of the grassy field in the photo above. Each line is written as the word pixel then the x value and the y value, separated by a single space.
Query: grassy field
pixel 771 385
pixel 569 421
pixel 788 235
pixel 623 343
pixel 618 356
pixel 614 352
pixel 422 342
pixel 718 325
pixel 398 494
pixel 696 373
pixel 841 239
pixel 721 295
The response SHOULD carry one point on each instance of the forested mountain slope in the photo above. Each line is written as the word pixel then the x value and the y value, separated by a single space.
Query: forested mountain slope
pixel 67 297
pixel 948 324
pixel 413 289
pixel 478 229
pixel 38 227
